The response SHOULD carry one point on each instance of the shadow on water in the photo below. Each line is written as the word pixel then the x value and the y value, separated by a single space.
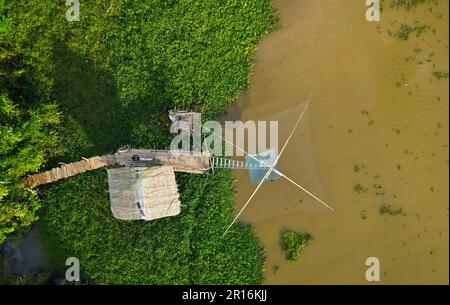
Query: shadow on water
pixel 24 260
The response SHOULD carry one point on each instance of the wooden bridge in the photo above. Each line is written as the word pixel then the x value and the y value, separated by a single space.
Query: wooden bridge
pixel 181 161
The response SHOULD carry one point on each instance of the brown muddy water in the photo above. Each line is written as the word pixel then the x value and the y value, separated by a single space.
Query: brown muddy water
pixel 376 133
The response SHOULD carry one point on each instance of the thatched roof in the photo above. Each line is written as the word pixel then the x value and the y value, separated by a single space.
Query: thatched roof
pixel 143 193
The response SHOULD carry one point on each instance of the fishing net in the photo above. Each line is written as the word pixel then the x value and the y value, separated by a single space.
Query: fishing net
pixel 278 196
pixel 259 165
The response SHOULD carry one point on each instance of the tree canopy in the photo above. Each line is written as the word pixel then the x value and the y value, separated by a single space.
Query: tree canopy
pixel 27 140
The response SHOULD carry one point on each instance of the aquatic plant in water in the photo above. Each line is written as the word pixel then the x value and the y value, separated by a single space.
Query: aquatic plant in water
pixel 441 74
pixel 294 243
pixel 405 30
pixel 409 4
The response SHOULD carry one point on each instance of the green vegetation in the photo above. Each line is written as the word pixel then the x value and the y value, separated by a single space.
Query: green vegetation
pixel 26 141
pixel 440 74
pixel 409 4
pixel 27 138
pixel 405 30
pixel 294 243
pixel 186 249
pixel 113 76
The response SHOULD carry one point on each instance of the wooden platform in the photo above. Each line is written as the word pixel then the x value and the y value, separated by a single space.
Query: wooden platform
pixel 181 161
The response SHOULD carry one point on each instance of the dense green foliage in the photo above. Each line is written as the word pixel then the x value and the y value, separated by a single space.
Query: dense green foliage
pixel 180 250
pixel 27 137
pixel 294 243
pixel 27 140
pixel 114 74
pixel 117 71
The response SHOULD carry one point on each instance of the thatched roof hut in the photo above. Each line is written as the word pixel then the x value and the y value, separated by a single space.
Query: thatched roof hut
pixel 143 192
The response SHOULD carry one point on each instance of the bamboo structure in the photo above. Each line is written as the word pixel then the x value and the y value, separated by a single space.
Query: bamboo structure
pixel 180 161
pixel 69 170
pixel 184 119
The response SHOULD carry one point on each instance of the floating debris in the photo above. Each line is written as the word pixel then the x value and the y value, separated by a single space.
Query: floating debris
pixel 275 269
pixel 388 209
pixel 363 214
pixel 358 189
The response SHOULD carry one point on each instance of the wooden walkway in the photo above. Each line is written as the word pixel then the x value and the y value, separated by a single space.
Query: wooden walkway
pixel 68 170
pixel 181 161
